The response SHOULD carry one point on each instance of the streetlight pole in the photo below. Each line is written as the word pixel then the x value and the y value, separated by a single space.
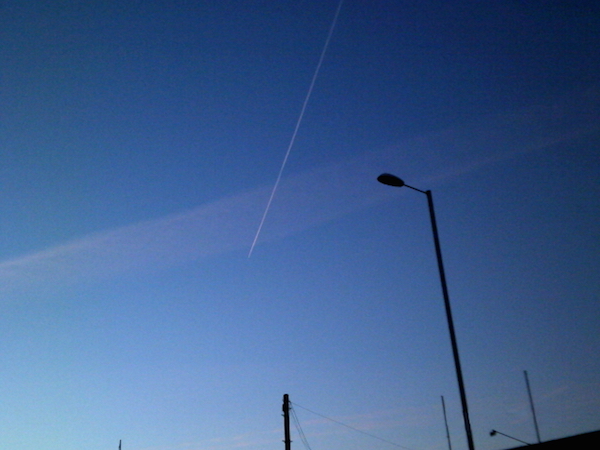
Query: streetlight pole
pixel 392 180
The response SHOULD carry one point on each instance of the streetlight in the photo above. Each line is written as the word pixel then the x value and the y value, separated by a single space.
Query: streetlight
pixel 495 432
pixel 392 180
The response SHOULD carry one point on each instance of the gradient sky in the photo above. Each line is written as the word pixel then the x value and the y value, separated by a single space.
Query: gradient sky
pixel 139 143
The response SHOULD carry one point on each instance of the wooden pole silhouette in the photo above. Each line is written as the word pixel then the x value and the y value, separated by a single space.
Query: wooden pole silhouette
pixel 286 422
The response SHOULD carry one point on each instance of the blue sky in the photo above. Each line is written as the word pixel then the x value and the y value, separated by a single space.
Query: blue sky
pixel 139 143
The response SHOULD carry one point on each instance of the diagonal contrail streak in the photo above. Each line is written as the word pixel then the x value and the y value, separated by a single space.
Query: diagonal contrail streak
pixel 292 140
pixel 318 196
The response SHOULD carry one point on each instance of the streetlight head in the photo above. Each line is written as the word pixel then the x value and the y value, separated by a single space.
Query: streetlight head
pixel 390 180
pixel 493 433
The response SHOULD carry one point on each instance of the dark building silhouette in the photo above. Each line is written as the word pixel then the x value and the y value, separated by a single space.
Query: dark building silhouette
pixel 585 441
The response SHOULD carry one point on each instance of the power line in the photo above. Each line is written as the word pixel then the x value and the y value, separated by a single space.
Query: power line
pixel 300 430
pixel 352 428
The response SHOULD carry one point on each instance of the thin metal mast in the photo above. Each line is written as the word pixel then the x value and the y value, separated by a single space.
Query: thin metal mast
pixel 446 422
pixel 537 430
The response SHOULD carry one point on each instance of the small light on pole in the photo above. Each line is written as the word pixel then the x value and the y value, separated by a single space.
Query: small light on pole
pixel 495 432
pixel 393 180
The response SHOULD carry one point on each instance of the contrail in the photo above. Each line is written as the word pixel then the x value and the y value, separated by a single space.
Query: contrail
pixel 287 154
pixel 319 195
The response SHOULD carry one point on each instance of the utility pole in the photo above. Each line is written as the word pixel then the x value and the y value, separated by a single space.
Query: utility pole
pixel 119 444
pixel 286 422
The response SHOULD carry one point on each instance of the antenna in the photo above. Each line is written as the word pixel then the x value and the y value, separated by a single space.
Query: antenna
pixel 446 422
pixel 537 430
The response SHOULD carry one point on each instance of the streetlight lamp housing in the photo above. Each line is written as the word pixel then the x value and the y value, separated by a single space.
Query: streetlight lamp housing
pixel 390 180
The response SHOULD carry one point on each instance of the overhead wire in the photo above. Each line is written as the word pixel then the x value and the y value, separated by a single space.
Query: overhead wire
pixel 352 428
pixel 300 430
